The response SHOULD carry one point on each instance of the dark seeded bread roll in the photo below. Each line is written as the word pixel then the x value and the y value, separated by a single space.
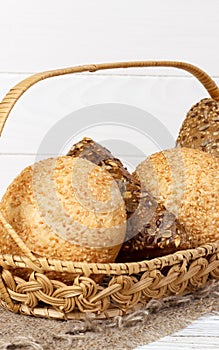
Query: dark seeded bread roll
pixel 200 129
pixel 151 229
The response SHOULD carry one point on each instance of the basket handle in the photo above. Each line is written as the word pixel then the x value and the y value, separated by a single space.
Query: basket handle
pixel 15 93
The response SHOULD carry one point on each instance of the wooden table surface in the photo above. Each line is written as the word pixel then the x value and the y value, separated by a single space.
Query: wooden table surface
pixel 202 334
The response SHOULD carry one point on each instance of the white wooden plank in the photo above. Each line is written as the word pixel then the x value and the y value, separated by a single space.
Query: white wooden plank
pixel 167 99
pixel 10 167
pixel 193 343
pixel 206 326
pixel 38 35
pixel 7 81
pixel 200 335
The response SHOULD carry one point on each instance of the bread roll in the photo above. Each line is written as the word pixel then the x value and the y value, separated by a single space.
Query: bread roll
pixel 186 181
pixel 65 208
pixel 200 129
pixel 151 229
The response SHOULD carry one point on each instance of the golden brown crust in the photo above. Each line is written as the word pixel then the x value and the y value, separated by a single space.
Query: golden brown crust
pixel 58 217
pixel 187 183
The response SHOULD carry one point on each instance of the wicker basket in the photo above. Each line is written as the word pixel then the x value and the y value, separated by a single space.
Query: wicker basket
pixel 125 287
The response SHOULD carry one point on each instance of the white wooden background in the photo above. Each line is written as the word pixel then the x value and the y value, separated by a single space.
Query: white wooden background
pixel 41 35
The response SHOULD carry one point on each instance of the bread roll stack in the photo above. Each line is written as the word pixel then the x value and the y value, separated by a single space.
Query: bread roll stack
pixel 151 229
pixel 186 181
pixel 65 208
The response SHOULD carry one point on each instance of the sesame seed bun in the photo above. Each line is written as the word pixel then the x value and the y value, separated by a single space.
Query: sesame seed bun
pixel 65 208
pixel 186 181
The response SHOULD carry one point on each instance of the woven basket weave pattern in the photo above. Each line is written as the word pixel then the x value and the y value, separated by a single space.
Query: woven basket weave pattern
pixel 30 285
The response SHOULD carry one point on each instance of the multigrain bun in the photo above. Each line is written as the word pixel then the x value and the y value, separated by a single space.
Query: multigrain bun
pixel 186 181
pixel 65 208
pixel 151 229
pixel 200 129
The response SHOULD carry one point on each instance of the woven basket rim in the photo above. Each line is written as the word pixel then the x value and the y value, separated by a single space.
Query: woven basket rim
pixel 48 264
